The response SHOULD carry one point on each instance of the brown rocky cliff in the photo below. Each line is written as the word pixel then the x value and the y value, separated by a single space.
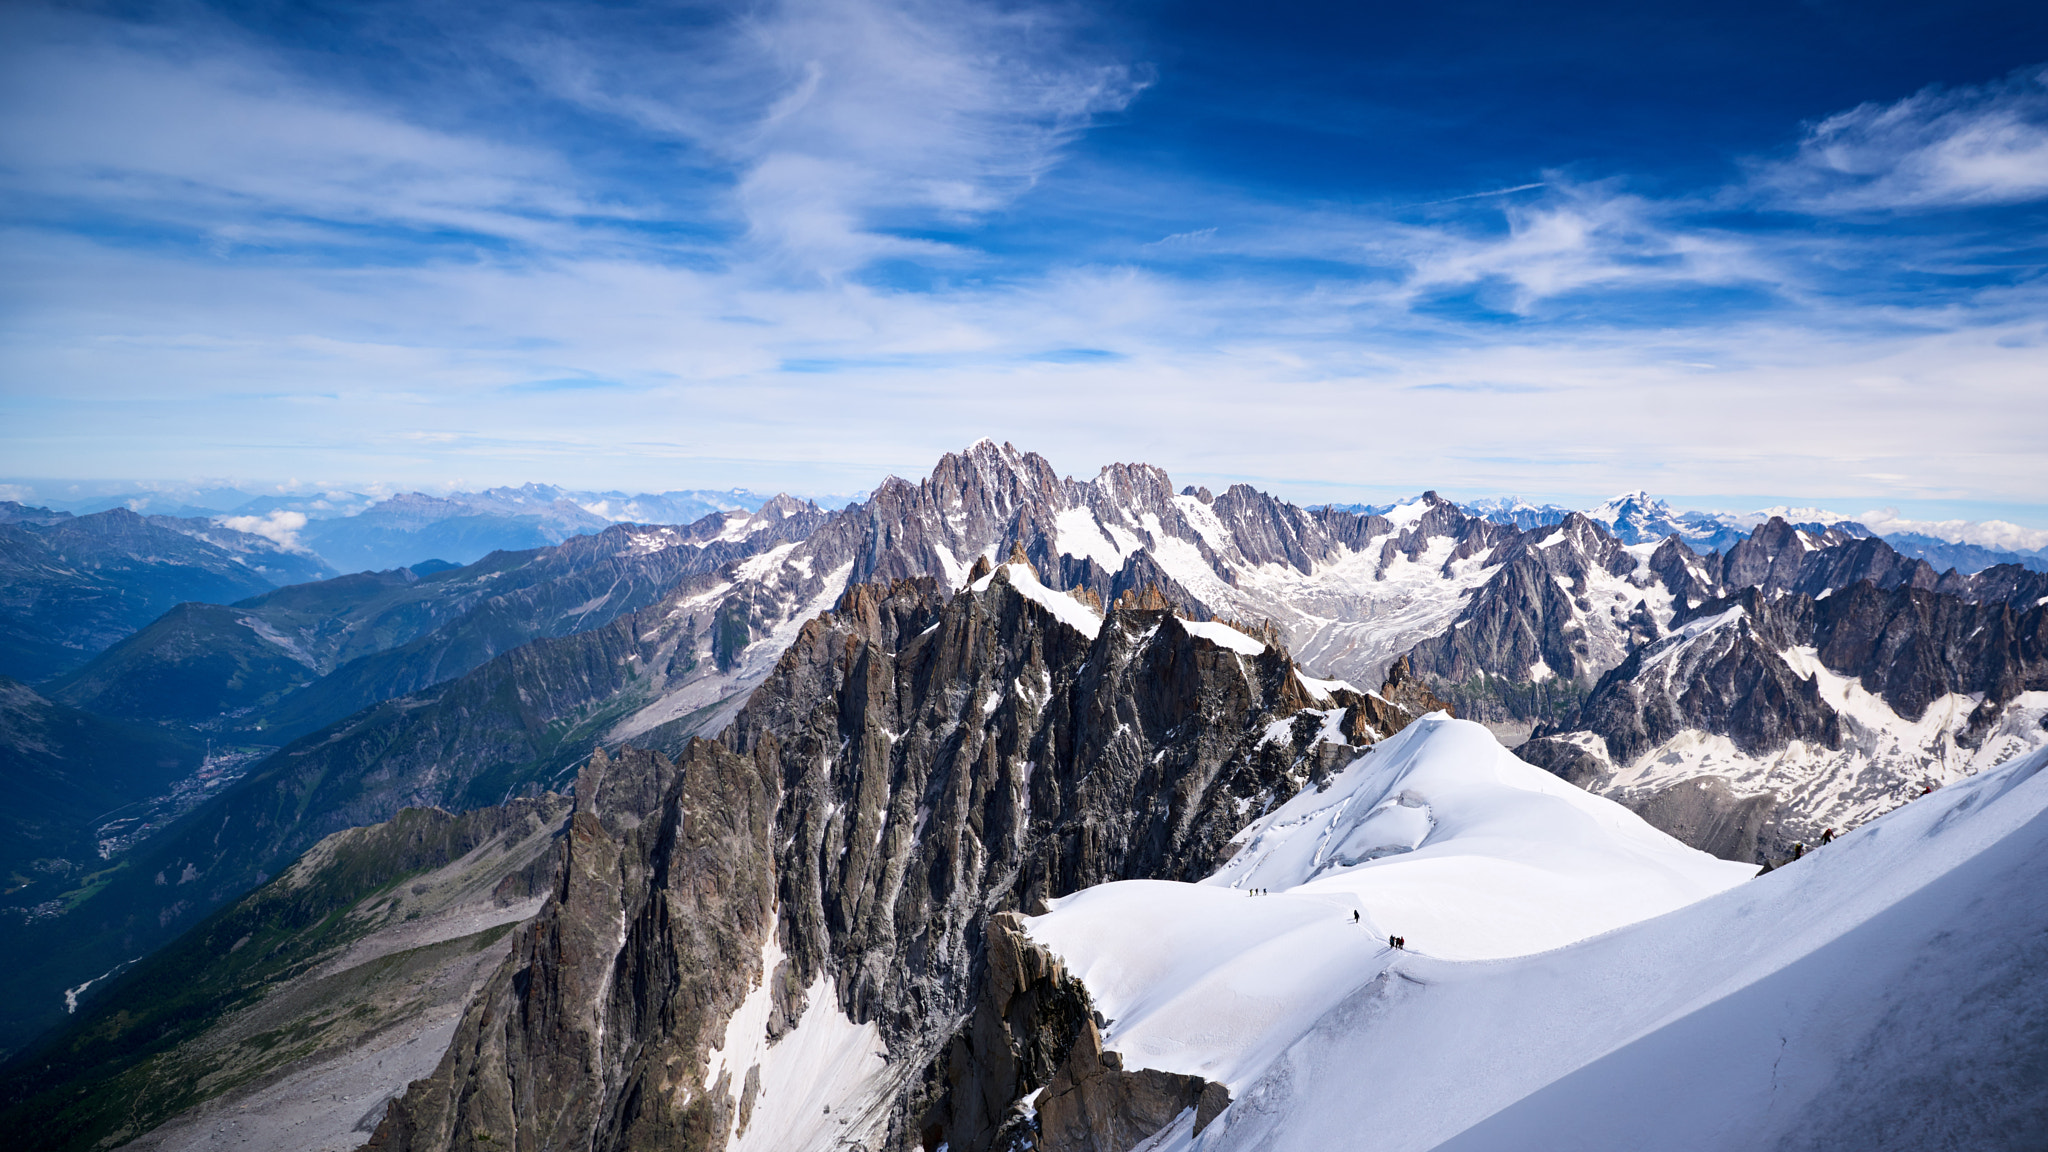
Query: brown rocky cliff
pixel 1093 1104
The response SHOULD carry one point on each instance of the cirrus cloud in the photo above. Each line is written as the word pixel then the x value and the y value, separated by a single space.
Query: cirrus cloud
pixel 1939 148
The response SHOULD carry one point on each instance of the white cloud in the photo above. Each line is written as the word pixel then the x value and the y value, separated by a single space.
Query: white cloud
pixel 199 129
pixel 1580 237
pixel 850 121
pixel 280 527
pixel 840 133
pixel 1998 534
pixel 1937 149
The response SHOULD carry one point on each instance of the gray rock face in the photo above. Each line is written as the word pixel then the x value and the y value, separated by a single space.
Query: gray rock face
pixel 1093 1105
pixel 1571 603
pixel 1567 603
pixel 918 762
pixel 1027 1017
pixel 1034 1032
pixel 1749 668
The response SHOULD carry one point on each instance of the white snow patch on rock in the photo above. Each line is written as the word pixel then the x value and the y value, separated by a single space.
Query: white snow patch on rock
pixel 1223 636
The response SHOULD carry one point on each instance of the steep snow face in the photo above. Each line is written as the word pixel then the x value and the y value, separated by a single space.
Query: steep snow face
pixel 1437 834
pixel 1224 636
pixel 1881 993
pixel 812 1088
pixel 1063 607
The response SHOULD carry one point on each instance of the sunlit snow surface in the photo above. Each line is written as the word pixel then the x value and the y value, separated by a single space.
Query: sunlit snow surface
pixel 1064 607
pixel 1881 993
pixel 1438 835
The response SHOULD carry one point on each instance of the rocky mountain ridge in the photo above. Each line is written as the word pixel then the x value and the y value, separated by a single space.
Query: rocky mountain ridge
pixel 1516 627
pixel 1765 718
pixel 299 658
pixel 72 586
pixel 916 762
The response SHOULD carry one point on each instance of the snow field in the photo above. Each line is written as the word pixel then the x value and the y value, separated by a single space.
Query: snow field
pixel 1224 636
pixel 1881 993
pixel 816 1082
pixel 1437 834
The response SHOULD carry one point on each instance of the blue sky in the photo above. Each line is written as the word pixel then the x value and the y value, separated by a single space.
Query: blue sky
pixel 1738 254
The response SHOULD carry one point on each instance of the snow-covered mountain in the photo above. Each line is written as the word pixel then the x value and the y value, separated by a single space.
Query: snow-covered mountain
pixel 1970 547
pixel 1038 853
pixel 1438 836
pixel 1516 511
pixel 1347 593
pixel 1790 707
pixel 1516 629
pixel 1876 994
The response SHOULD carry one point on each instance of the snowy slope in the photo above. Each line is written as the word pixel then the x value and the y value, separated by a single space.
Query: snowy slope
pixel 1345 608
pixel 1881 993
pixel 1438 834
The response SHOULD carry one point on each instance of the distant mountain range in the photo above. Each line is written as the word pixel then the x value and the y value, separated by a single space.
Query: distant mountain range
pixel 1640 518
pixel 816 756
pixel 352 532
pixel 72 585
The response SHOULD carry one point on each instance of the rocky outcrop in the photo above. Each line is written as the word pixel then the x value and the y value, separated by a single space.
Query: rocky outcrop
pixel 1034 1035
pixel 1093 1104
pixel 1026 1019
pixel 919 762
pixel 599 1023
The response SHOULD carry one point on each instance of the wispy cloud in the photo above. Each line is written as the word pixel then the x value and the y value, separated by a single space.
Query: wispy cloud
pixel 1482 195
pixel 199 129
pixel 1937 149
pixel 1579 237
pixel 851 125
pixel 507 302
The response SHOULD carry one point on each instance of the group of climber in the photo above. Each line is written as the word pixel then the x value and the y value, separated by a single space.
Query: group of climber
pixel 1827 836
